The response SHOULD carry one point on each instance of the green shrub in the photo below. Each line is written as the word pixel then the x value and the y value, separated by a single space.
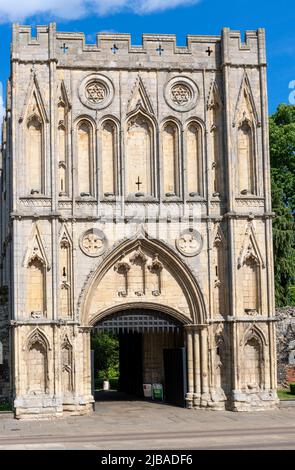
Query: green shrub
pixel 291 295
pixel 98 383
pixel 5 406
pixel 3 295
pixel 292 387
pixel 114 383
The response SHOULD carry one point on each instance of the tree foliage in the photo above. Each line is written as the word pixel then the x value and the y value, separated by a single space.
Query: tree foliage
pixel 282 157
pixel 106 354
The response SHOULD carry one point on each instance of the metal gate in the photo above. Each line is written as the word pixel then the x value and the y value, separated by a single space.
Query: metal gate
pixel 138 321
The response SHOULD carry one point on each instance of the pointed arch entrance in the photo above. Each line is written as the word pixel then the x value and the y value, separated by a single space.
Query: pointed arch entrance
pixel 146 276
pixel 149 354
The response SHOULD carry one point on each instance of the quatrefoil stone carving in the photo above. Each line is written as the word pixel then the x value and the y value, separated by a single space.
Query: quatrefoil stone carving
pixel 93 242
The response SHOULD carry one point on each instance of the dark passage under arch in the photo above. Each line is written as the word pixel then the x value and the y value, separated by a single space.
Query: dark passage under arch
pixel 151 352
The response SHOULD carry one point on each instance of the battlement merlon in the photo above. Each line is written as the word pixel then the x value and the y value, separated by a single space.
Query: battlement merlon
pixel 70 49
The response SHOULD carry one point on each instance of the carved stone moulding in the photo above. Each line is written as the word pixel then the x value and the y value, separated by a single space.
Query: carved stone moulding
pixel 189 242
pixel 93 242
pixel 86 203
pixel 247 202
pixel 64 204
pixel 35 202
pixel 96 91
pixel 181 93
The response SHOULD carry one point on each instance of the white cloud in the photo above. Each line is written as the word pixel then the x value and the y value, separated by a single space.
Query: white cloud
pixel 19 10
pixel 149 6
pixel 103 7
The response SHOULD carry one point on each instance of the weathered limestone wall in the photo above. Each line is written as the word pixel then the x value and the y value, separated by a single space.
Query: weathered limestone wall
pixel 285 345
pixel 153 345
pixel 42 390
pixel 140 179
pixel 5 391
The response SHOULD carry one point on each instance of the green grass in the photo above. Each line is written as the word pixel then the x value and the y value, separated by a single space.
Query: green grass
pixel 5 407
pixel 285 394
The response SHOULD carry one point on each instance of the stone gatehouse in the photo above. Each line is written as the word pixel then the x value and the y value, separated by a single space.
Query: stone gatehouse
pixel 135 183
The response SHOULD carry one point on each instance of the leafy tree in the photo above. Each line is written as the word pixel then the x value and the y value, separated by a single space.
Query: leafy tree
pixel 283 243
pixel 106 354
pixel 282 157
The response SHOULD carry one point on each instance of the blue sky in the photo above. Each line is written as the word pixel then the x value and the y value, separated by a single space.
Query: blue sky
pixel 178 17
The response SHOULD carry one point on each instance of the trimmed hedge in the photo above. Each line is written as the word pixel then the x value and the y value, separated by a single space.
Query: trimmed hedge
pixel 113 383
pixel 5 406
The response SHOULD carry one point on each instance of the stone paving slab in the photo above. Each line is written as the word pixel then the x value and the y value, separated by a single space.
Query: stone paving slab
pixel 287 403
pixel 145 425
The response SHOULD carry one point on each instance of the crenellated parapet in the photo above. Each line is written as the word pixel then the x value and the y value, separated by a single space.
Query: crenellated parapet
pixel 114 50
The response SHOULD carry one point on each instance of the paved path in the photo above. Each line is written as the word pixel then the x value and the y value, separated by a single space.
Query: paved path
pixel 134 425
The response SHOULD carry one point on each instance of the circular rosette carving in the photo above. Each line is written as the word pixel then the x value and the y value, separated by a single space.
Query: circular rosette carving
pixel 93 242
pixel 181 93
pixel 96 91
pixel 189 242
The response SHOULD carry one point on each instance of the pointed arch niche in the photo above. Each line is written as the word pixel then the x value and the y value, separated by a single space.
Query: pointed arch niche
pixel 170 152
pixel 35 154
pixel 34 118
pixel 65 266
pixel 251 263
pixel 246 161
pixel 66 366
pixel 251 283
pixel 85 158
pixel 37 265
pixel 246 121
pixel 219 276
pixel 62 165
pixel 194 159
pixel 215 138
pixel 139 154
pixel 37 364
pixel 36 297
pixel 253 362
pixel 62 142
pixel 222 372
pixel 109 158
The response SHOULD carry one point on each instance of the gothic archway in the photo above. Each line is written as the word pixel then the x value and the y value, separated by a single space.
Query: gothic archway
pixel 144 350
pixel 148 275
pixel 142 272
